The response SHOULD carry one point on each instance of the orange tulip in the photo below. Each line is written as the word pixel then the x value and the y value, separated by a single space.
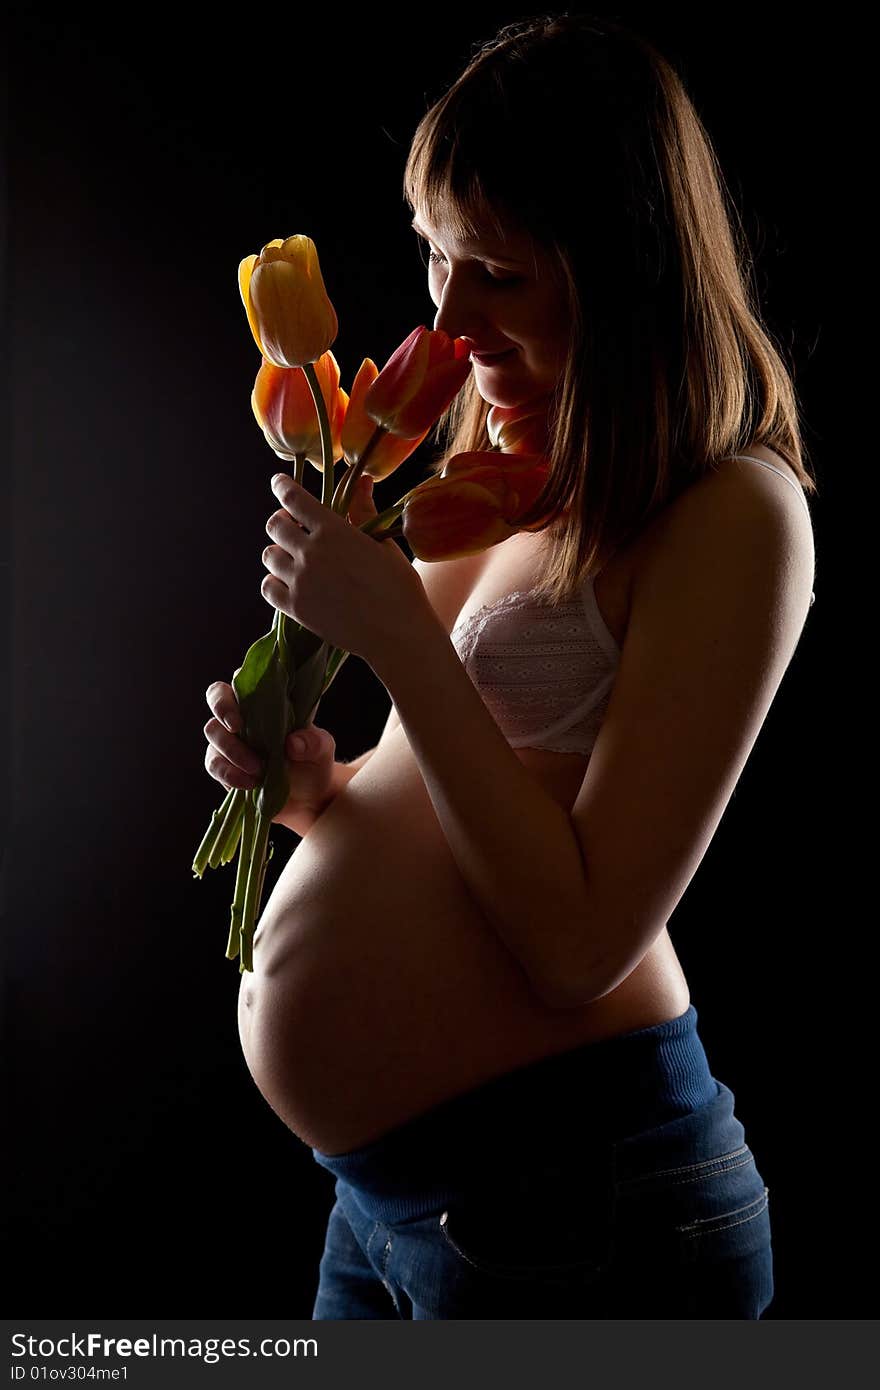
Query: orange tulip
pixel 291 317
pixel 473 504
pixel 418 382
pixel 519 429
pixel 389 450
pixel 285 409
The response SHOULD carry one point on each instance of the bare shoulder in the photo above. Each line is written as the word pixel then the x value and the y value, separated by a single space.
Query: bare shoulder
pixel 750 512
pixel 743 471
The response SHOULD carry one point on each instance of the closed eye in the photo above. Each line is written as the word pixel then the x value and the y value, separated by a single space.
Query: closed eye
pixel 435 258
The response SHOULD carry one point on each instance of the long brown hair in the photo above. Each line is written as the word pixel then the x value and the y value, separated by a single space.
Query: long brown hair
pixel 578 131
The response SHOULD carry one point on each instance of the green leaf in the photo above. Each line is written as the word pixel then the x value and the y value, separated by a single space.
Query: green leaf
pixel 303 643
pixel 307 684
pixel 253 668
pixel 260 685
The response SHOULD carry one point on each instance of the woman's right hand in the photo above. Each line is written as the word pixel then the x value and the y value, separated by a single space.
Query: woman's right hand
pixel 232 763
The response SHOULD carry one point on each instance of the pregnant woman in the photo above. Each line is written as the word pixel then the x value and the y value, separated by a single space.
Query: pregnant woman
pixel 465 998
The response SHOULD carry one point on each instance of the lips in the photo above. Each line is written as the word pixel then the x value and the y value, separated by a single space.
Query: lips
pixel 491 356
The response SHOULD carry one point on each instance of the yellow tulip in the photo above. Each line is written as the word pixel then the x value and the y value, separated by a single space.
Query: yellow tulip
pixel 291 317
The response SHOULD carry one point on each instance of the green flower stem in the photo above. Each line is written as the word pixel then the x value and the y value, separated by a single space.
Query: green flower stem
pixel 282 636
pixel 245 851
pixel 205 849
pixel 326 435
pixel 299 467
pixel 259 899
pixel 349 480
pixel 256 874
pixel 384 521
pixel 230 831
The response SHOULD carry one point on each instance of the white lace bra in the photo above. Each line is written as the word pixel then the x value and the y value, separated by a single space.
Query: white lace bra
pixel 546 674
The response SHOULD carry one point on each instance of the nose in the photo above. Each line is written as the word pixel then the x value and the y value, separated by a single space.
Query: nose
pixel 459 312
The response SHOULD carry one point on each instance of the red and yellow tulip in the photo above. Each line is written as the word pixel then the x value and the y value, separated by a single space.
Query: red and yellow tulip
pixel 472 504
pixel 418 382
pixel 519 429
pixel 291 317
pixel 284 407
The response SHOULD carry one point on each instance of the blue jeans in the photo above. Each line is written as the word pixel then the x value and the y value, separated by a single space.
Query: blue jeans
pixel 611 1181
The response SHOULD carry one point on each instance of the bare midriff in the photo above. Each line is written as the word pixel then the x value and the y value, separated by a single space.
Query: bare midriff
pixel 378 988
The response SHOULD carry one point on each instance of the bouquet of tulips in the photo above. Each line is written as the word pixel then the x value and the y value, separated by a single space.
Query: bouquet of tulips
pixel 306 417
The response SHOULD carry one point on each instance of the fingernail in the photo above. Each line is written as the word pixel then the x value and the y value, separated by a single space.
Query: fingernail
pixel 299 744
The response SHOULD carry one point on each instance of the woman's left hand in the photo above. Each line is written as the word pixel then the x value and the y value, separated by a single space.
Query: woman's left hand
pixel 357 593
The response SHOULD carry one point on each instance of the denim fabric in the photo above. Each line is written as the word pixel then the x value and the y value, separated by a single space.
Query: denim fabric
pixel 591 1218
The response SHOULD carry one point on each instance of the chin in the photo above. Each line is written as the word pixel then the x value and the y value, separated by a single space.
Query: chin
pixel 507 395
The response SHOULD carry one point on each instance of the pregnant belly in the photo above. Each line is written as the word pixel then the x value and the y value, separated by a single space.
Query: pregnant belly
pixel 378 990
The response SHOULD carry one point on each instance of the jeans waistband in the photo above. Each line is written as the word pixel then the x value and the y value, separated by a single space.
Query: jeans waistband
pixel 591 1095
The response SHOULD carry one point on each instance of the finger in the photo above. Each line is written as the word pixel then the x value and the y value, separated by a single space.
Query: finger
pixel 276 592
pixel 233 750
pixel 228 775
pixel 222 703
pixel 299 502
pixel 278 562
pixel 310 744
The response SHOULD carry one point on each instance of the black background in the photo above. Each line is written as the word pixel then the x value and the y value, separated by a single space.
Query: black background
pixel 151 151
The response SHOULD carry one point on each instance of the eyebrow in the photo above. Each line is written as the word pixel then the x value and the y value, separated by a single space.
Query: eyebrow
pixel 476 246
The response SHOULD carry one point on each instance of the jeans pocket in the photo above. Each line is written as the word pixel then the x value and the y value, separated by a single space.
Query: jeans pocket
pixel 726 1261
pixel 739 1230
pixel 690 1192
pixel 707 1224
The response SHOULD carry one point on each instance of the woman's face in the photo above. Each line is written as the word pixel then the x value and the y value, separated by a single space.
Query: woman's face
pixel 502 298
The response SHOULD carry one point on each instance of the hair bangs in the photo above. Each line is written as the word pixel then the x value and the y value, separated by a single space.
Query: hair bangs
pixel 443 178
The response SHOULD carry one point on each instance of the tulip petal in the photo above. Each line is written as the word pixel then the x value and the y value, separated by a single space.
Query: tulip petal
pixel 260 418
pixel 399 381
pixel 245 273
pixel 418 382
pixel 389 452
pixel 271 251
pixel 521 429
pixel 450 518
pixel 358 429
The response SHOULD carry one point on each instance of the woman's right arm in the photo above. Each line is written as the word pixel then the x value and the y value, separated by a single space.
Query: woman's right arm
pixel 315 778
